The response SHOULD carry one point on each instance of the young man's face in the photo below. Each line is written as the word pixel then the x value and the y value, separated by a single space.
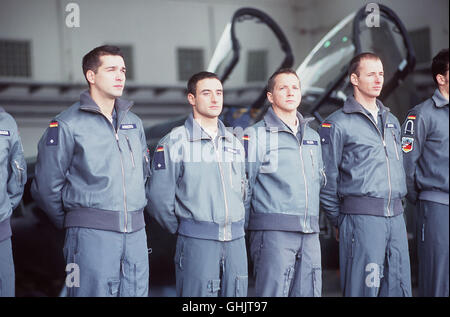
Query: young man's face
pixel 208 100
pixel 110 77
pixel 286 94
pixel 443 82
pixel 371 77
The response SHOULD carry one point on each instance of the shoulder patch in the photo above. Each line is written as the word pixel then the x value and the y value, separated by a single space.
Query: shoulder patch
pixel 159 161
pixel 246 139
pixel 52 134
pixel 324 132
pixel 409 124
pixel 407 144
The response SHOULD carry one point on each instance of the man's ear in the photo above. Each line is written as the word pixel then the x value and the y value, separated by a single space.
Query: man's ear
pixel 354 79
pixel 440 79
pixel 191 99
pixel 269 96
pixel 90 76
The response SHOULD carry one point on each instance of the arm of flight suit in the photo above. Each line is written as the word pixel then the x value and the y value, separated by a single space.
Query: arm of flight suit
pixel 145 160
pixel 163 182
pixel 55 151
pixel 17 173
pixel 252 163
pixel 323 176
pixel 331 140
pixel 415 130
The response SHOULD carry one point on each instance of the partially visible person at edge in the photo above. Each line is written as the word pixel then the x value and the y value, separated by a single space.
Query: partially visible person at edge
pixel 13 176
pixel 425 146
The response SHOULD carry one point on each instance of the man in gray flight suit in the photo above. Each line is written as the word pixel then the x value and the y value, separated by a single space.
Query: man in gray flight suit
pixel 285 173
pixel 425 144
pixel 365 187
pixel 196 190
pixel 13 176
pixel 91 172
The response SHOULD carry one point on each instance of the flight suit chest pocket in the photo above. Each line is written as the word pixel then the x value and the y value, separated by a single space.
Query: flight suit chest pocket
pixel 234 167
pixel 310 149
pixel 269 162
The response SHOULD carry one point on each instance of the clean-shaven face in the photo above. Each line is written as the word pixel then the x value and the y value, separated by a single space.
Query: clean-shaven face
pixel 208 100
pixel 110 77
pixel 286 94
pixel 371 78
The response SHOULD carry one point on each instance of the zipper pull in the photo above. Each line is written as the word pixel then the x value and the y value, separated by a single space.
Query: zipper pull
pixel 385 148
pixel 131 152
pixel 118 144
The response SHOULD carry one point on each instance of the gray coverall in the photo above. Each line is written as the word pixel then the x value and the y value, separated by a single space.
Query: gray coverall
pixel 363 196
pixel 285 173
pixel 196 190
pixel 425 144
pixel 13 176
pixel 90 179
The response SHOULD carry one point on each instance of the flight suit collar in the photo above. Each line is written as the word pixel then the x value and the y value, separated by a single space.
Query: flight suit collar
pixel 121 106
pixel 275 124
pixel 196 132
pixel 352 106
pixel 273 121
pixel 2 110
pixel 438 99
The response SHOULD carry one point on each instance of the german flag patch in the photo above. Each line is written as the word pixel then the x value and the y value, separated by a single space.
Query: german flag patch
pixel 246 138
pixel 52 133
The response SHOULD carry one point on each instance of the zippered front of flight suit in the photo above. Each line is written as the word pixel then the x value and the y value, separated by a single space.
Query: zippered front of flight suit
pixel 216 150
pixel 303 172
pixel 116 135
pixel 387 160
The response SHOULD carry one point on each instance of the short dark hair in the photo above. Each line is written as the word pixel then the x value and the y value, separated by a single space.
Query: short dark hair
pixel 91 61
pixel 353 68
pixel 271 81
pixel 440 64
pixel 192 82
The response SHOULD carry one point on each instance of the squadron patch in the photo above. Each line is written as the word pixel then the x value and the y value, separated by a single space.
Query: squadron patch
pixel 52 134
pixel 407 144
pixel 160 163
pixel 4 133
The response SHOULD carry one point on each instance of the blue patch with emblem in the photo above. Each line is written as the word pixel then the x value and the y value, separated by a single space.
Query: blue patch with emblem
pixel 127 126
pixel 4 133
pixel 324 132
pixel 159 161
pixel 52 134
pixel 310 142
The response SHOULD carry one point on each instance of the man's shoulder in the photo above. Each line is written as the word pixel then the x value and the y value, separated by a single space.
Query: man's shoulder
pixel 176 135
